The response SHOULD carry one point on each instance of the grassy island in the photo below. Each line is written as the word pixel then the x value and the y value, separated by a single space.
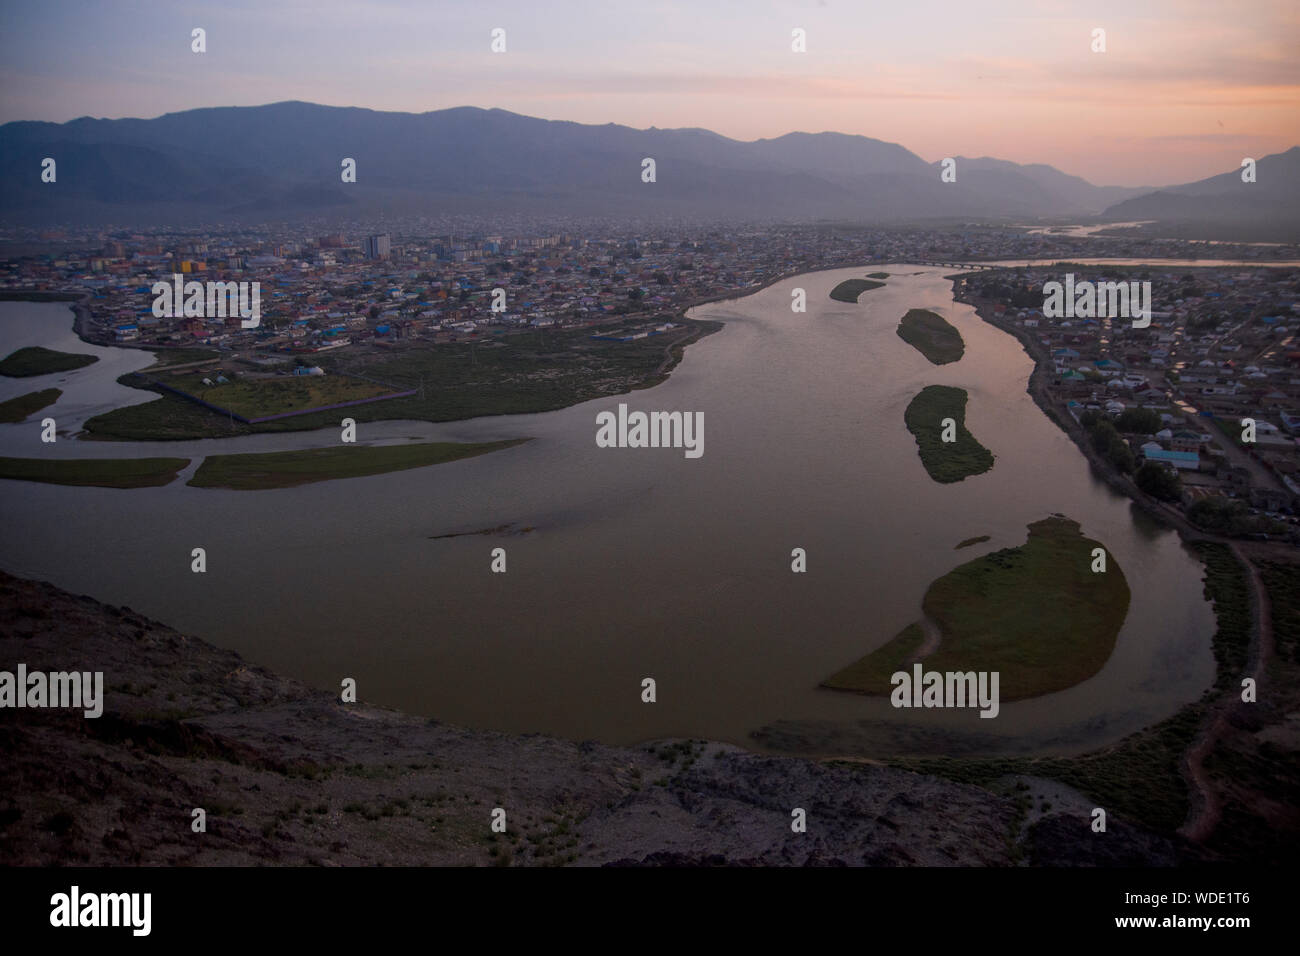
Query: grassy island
pixel 35 360
pixel 932 336
pixel 850 289
pixel 287 469
pixel 18 409
pixel 946 462
pixel 1036 614
pixel 94 472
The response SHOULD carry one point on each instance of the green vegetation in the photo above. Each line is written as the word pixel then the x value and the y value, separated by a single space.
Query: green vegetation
pixel 850 289
pixel 946 462
pixel 877 275
pixel 969 541
pixel 35 360
pixel 505 375
pixel 96 472
pixel 170 418
pixel 291 468
pixel 259 397
pixel 1037 614
pixel 1227 585
pixel 1105 438
pixel 1283 582
pixel 17 409
pixel 1159 482
pixel 1141 776
pixel 870 674
pixel 1138 421
pixel 930 335
pixel 1227 516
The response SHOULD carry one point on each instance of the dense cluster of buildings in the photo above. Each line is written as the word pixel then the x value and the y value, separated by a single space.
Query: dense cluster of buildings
pixel 335 290
pixel 1222 347
pixel 1221 344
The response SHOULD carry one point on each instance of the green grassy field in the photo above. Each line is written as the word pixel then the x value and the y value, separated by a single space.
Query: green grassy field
pixel 257 397
pixel 35 360
pixel 932 336
pixel 1036 614
pixel 95 472
pixel 527 372
pixel 289 469
pixel 850 289
pixel 1140 777
pixel 969 541
pixel 877 275
pixel 18 409
pixel 946 462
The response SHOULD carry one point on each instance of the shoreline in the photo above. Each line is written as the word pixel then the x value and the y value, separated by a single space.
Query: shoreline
pixel 1037 390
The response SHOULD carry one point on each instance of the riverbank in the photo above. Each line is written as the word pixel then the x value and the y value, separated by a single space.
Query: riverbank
pixel 1189 763
pixel 1037 390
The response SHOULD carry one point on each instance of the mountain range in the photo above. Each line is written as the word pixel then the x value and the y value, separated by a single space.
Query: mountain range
pixel 283 161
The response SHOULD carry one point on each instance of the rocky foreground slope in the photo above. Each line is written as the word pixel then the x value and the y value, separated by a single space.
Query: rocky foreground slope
pixel 290 775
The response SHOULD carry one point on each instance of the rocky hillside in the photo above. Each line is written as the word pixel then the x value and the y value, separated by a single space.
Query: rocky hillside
pixel 290 775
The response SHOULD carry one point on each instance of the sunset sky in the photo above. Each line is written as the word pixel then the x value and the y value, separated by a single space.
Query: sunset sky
pixel 1185 90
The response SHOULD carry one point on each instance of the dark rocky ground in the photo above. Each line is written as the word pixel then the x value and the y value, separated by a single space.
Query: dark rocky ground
pixel 290 775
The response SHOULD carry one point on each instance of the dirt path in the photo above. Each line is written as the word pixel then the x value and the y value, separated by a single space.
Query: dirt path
pixel 1206 808
pixel 1206 804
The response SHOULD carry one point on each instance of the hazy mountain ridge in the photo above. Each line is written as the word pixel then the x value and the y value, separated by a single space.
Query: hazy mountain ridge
pixel 203 164
pixel 1227 205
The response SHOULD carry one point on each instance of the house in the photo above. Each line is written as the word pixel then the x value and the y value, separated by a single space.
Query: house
pixel 1182 460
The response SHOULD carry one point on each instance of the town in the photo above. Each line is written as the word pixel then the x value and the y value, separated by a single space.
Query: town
pixel 1159 404
pixel 1199 406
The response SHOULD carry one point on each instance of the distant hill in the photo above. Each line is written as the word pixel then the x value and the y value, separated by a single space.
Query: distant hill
pixel 1223 206
pixel 283 160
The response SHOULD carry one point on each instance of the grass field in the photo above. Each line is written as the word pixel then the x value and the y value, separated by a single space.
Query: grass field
pixel 877 275
pixel 506 375
pixel 18 409
pixel 969 541
pixel 932 336
pixel 96 472
pixel 289 469
pixel 1036 614
pixel 850 289
pixel 259 397
pixel 35 360
pixel 1140 777
pixel 946 462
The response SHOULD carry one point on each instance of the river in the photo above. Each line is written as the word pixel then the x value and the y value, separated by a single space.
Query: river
pixel 643 563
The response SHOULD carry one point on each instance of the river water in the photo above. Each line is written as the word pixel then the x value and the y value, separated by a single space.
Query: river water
pixel 642 562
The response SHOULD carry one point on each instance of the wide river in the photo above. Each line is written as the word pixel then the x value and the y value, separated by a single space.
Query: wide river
pixel 643 563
